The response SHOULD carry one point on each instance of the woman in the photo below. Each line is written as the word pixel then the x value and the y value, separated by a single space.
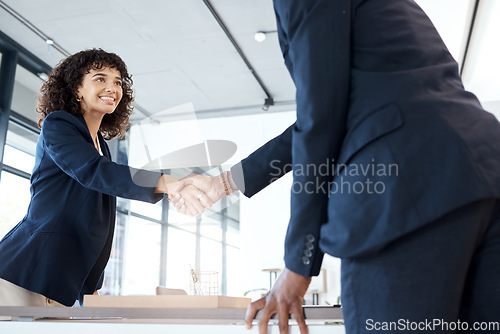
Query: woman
pixel 58 252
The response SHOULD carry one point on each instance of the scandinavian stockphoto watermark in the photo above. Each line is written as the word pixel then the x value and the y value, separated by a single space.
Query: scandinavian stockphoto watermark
pixel 332 178
pixel 437 325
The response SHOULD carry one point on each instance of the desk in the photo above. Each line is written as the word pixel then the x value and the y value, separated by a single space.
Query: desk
pixel 55 320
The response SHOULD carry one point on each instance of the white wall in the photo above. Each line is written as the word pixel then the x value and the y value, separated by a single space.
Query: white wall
pixel 163 135
pixel 263 222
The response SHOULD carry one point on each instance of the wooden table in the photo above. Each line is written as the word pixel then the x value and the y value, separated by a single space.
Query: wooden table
pixel 76 320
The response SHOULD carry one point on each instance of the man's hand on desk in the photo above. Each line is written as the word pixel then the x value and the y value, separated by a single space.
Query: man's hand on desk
pixel 285 298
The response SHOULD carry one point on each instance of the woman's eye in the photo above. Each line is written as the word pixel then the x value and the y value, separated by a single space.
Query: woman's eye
pixel 118 83
pixel 100 79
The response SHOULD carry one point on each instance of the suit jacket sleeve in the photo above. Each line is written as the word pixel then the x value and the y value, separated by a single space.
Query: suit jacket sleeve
pixel 318 38
pixel 67 142
pixel 265 165
pixel 315 40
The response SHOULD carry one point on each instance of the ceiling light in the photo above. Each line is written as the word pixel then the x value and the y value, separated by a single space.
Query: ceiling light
pixel 267 103
pixel 260 36
pixel 49 41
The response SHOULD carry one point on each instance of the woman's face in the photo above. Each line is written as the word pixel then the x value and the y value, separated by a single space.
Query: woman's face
pixel 100 91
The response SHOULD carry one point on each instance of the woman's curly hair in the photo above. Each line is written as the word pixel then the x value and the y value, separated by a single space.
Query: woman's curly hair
pixel 59 92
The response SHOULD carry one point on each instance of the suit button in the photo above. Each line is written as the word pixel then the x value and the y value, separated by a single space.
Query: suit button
pixel 310 238
pixel 309 246
pixel 305 260
pixel 308 253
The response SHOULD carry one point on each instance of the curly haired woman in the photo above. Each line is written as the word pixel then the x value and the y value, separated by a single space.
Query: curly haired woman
pixel 58 252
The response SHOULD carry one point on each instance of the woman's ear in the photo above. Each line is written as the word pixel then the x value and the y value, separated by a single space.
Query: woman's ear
pixel 78 94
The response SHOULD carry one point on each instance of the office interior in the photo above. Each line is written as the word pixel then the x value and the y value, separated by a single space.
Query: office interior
pixel 203 71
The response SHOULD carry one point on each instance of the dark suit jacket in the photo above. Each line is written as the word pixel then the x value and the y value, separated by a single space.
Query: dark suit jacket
pixel 62 245
pixel 381 103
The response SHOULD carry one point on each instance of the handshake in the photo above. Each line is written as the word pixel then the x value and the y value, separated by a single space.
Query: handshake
pixel 194 193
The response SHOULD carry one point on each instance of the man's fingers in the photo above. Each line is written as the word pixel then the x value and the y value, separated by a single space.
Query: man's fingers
pixel 283 316
pixel 298 314
pixel 252 311
pixel 183 210
pixel 187 179
pixel 206 201
pixel 202 182
pixel 190 210
pixel 264 320
pixel 196 205
pixel 175 200
pixel 175 187
pixel 179 204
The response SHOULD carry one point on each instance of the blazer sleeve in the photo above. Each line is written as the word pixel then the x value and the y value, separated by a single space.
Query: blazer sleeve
pixel 265 165
pixel 318 37
pixel 315 40
pixel 66 142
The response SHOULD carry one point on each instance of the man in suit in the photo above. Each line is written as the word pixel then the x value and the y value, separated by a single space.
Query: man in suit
pixel 396 171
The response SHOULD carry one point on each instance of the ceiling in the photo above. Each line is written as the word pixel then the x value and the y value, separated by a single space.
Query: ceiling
pixel 178 53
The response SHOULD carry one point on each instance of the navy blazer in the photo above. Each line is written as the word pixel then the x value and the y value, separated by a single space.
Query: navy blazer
pixel 380 104
pixel 62 245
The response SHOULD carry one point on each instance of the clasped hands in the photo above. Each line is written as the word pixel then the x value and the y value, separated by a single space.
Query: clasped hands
pixel 194 193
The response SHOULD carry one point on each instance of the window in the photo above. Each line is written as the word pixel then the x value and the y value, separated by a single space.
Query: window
pixel 211 256
pixel 234 270
pixel 19 150
pixel 181 257
pixel 18 159
pixel 18 163
pixel 26 89
pixel 211 226
pixel 113 275
pixel 146 209
pixel 182 221
pixel 14 200
pixel 142 257
pixel 146 232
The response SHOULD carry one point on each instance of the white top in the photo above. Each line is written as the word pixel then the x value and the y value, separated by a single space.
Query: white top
pixel 99 147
